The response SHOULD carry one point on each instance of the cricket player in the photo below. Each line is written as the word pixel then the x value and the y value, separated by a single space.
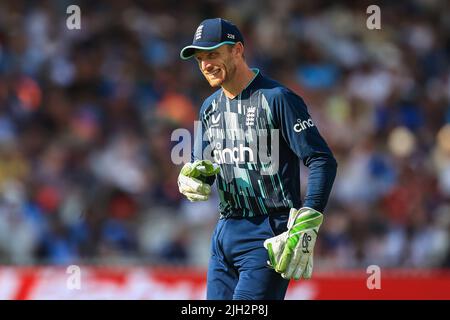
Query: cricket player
pixel 254 133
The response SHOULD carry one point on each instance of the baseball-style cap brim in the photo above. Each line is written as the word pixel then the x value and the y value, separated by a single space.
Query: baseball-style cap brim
pixel 189 51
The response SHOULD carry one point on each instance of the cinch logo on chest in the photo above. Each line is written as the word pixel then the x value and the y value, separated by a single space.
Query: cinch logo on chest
pixel 233 155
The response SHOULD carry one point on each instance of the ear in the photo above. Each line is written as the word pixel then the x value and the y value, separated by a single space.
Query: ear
pixel 239 49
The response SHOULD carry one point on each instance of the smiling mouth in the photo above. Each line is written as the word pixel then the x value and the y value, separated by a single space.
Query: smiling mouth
pixel 214 73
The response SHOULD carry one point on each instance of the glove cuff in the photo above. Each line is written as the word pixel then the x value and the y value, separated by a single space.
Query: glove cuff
pixel 306 216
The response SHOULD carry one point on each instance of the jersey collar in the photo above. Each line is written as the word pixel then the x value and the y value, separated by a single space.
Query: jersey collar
pixel 256 72
pixel 252 81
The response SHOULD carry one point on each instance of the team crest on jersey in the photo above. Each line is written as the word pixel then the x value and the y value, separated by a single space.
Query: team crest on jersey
pixel 250 116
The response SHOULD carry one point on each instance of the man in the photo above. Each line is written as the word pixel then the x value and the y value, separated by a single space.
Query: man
pixel 264 236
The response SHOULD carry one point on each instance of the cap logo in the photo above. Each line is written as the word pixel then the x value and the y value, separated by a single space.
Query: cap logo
pixel 230 36
pixel 198 33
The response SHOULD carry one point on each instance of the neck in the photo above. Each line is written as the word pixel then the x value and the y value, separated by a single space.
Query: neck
pixel 242 78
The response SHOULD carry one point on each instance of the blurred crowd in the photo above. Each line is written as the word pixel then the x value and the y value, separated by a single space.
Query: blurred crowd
pixel 86 118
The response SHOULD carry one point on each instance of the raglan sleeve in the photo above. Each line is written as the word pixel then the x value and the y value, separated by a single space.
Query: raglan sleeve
pixel 303 137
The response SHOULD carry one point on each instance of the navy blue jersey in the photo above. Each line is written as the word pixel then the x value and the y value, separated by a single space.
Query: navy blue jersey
pixel 259 138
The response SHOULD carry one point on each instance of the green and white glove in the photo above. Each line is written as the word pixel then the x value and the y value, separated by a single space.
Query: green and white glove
pixel 291 253
pixel 189 183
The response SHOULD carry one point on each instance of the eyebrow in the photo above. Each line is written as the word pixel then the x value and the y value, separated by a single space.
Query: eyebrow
pixel 207 53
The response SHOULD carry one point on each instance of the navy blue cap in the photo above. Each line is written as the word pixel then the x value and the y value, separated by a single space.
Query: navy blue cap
pixel 211 34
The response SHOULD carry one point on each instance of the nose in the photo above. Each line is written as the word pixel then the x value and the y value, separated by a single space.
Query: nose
pixel 206 65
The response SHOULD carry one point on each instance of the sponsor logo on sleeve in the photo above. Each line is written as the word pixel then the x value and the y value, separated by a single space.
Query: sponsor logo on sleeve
pixel 303 125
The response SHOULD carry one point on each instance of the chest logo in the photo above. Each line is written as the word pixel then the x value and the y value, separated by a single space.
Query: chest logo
pixel 215 120
pixel 250 116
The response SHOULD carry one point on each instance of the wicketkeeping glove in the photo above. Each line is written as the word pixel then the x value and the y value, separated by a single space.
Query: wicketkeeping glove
pixel 189 179
pixel 291 253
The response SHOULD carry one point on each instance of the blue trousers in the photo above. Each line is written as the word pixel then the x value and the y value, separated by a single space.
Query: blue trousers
pixel 238 267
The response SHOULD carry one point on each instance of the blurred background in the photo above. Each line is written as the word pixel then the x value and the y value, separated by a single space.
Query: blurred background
pixel 86 117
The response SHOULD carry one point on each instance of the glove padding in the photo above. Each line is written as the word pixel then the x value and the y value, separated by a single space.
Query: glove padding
pixel 291 253
pixel 189 183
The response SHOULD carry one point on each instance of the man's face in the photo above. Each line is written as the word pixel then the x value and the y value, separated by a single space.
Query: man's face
pixel 218 65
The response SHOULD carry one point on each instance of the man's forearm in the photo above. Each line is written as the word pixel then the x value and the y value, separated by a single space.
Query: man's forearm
pixel 322 172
